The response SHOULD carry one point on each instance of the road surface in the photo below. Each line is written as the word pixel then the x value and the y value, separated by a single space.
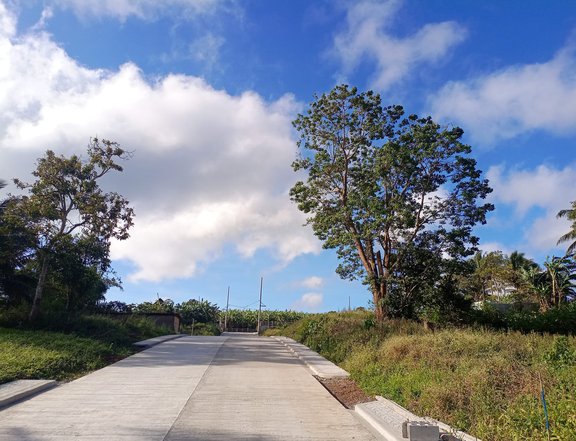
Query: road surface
pixel 238 387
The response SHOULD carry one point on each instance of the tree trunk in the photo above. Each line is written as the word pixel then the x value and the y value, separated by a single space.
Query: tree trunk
pixel 379 295
pixel 39 289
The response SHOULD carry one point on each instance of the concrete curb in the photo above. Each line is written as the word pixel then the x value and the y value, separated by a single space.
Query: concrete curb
pixel 316 363
pixel 157 340
pixel 387 417
pixel 384 415
pixel 20 389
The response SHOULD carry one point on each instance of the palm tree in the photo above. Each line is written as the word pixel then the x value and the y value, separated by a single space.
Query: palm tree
pixel 519 262
pixel 569 214
pixel 561 275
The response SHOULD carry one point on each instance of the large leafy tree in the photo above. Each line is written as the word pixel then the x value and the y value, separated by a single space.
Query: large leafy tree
pixel 67 201
pixel 380 183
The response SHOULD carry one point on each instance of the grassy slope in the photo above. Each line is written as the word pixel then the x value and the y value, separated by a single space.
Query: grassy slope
pixel 484 382
pixel 89 343
pixel 52 355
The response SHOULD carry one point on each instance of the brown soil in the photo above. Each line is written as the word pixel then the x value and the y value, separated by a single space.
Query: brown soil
pixel 346 391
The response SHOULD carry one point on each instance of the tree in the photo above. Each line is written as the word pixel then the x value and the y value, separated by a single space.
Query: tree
pixel 554 285
pixel 67 201
pixel 17 244
pixel 80 274
pixel 561 274
pixel 163 306
pixel 198 310
pixel 379 182
pixel 492 274
pixel 569 214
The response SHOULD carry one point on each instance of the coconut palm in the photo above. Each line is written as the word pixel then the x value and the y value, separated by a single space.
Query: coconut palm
pixel 561 271
pixel 570 236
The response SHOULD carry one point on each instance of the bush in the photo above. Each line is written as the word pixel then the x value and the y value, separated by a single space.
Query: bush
pixel 203 329
pixel 560 320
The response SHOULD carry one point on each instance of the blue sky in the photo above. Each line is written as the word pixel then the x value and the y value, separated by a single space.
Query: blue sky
pixel 204 91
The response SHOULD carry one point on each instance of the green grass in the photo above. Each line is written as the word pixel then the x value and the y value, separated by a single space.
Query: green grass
pixel 66 349
pixel 483 381
pixel 28 354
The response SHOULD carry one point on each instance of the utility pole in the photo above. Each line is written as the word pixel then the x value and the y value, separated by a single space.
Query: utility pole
pixel 349 308
pixel 260 306
pixel 226 315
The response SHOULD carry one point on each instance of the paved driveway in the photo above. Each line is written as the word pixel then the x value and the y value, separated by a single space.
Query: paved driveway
pixel 193 388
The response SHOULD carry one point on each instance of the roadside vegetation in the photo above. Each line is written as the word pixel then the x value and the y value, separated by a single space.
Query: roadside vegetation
pixel 485 381
pixel 80 345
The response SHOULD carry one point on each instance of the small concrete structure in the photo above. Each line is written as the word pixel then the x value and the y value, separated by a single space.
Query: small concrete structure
pixel 396 423
pixel 421 431
pixel 20 389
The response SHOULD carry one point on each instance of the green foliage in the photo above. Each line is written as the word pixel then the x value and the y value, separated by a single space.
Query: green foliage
pixel 26 354
pixel 203 329
pixel 570 236
pixel 72 221
pixel 66 348
pixel 164 306
pixel 387 191
pixel 248 319
pixel 198 311
pixel 492 273
pixel 561 354
pixel 485 382
pixel 561 320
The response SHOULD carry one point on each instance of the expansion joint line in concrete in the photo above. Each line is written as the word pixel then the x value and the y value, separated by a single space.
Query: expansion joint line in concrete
pixel 195 388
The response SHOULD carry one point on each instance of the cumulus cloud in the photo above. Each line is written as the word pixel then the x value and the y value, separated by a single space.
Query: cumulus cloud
pixel 368 37
pixel 312 282
pixel 209 169
pixel 309 302
pixel 514 100
pixel 543 188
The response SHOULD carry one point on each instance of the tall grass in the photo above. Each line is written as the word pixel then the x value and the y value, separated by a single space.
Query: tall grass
pixel 483 381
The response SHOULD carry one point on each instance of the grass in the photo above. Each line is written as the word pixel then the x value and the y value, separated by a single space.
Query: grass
pixel 88 343
pixel 485 382
pixel 27 354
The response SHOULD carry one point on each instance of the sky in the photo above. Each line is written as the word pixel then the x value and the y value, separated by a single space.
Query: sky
pixel 203 93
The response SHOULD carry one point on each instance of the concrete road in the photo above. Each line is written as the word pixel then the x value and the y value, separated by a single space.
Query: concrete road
pixel 193 388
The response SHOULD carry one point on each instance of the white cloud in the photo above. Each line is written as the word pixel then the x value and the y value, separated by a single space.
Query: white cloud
pixel 206 49
pixel 545 188
pixel 209 169
pixel 368 37
pixel 143 9
pixel 7 22
pixel 489 247
pixel 514 100
pixel 308 302
pixel 312 282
